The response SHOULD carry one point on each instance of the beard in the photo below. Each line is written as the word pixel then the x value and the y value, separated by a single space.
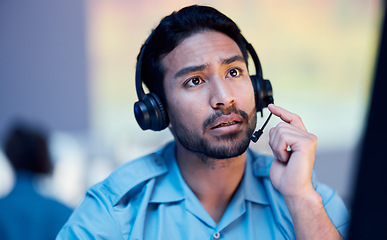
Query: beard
pixel 231 145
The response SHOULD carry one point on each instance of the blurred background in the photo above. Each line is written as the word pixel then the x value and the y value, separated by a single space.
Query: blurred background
pixel 70 65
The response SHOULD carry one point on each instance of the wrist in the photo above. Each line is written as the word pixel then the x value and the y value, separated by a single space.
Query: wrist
pixel 309 217
pixel 300 203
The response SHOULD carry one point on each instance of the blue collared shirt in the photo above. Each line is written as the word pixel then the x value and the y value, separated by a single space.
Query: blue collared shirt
pixel 147 198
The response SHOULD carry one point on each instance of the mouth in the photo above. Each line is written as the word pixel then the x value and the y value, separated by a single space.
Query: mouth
pixel 225 124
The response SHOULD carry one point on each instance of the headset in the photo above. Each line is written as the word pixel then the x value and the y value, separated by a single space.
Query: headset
pixel 151 114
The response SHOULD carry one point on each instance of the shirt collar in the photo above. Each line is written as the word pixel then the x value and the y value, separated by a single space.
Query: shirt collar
pixel 170 185
pixel 256 169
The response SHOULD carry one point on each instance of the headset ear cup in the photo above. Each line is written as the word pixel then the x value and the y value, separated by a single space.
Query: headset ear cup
pixel 161 120
pixel 150 113
pixel 263 92
pixel 141 113
pixel 256 86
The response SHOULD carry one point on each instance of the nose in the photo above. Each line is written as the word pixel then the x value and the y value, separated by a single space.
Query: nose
pixel 222 94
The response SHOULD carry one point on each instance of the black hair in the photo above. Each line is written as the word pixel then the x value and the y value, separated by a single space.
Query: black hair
pixel 26 148
pixel 172 30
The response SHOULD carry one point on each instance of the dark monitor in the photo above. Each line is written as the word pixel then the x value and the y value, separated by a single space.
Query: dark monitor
pixel 369 208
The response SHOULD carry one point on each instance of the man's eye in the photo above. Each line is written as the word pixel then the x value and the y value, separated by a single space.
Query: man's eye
pixel 194 81
pixel 235 72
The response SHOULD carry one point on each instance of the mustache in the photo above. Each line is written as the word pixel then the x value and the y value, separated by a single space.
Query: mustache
pixel 211 119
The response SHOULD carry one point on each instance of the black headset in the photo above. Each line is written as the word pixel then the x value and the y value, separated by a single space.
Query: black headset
pixel 151 114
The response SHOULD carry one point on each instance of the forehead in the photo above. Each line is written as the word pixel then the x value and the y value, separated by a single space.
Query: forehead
pixel 200 48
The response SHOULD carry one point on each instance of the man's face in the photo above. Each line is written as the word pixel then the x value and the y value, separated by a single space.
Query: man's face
pixel 210 97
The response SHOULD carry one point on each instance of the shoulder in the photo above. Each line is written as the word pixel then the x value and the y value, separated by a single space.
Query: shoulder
pixel 132 174
pixel 261 164
pixel 110 207
pixel 333 203
pixel 335 207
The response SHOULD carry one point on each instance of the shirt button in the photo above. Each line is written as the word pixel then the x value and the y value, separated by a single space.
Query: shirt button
pixel 216 235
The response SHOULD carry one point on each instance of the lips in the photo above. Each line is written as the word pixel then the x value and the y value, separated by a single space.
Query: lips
pixel 226 121
pixel 225 124
pixel 222 121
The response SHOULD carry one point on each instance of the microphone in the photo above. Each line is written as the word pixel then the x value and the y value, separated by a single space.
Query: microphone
pixel 257 134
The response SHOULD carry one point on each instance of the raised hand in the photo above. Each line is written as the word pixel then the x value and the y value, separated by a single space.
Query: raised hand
pixel 294 151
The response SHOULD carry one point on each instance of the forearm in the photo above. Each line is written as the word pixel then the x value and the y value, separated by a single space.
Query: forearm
pixel 310 219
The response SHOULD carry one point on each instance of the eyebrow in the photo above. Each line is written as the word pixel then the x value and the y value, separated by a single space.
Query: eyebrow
pixel 236 58
pixel 190 69
pixel 197 68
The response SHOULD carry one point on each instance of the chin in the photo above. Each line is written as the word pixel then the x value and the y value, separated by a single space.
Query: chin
pixel 226 149
pixel 228 145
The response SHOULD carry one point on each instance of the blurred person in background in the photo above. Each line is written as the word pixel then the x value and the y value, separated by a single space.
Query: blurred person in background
pixel 24 212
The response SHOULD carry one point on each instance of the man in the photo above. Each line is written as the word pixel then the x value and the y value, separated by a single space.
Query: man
pixel 207 184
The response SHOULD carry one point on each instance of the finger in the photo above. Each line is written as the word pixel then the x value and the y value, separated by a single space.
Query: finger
pixel 284 131
pixel 285 138
pixel 286 116
pixel 278 138
pixel 286 128
pixel 281 155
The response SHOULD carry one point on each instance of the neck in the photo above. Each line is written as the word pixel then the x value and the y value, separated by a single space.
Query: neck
pixel 213 181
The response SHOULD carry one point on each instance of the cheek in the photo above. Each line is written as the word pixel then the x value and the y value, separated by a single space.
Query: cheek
pixel 246 96
pixel 177 110
pixel 187 113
